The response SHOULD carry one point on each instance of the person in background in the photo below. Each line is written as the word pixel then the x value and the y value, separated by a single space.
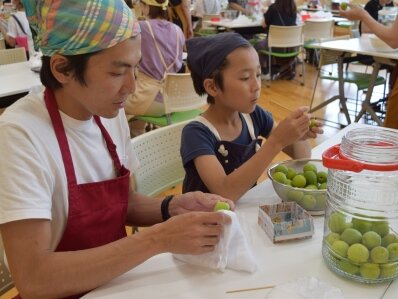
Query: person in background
pixel 18 27
pixel 162 45
pixel 220 149
pixel 179 14
pixel 66 162
pixel 373 7
pixel 206 7
pixel 280 13
pixel 239 5
pixel 388 35
pixel 129 3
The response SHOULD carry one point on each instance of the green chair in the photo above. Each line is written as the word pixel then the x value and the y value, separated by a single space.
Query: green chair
pixel 361 80
pixel 181 102
pixel 284 37
pixel 315 32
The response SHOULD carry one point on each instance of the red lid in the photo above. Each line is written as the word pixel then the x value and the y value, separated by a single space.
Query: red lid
pixel 215 19
pixel 333 158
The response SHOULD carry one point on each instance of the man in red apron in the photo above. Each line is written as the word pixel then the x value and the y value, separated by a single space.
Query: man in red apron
pixel 66 161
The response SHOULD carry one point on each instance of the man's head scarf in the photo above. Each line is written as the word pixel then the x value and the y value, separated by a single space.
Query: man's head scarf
pixel 74 27
pixel 206 54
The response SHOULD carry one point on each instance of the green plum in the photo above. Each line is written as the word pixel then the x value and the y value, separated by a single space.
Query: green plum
pixel 281 168
pixel 331 237
pixel 310 167
pixel 337 222
pixel 358 253
pixel 379 255
pixel 295 195
pixel 221 205
pixel 388 239
pixel 280 177
pixel 369 271
pixel 311 178
pixel 348 267
pixel 312 123
pixel 362 225
pixel 299 181
pixel 371 239
pixel 322 177
pixel 381 227
pixel 311 187
pixel 309 202
pixel 340 248
pixel 291 173
pixel 288 182
pixel 393 250
pixel 388 270
pixel 322 186
pixel 351 236
pixel 343 5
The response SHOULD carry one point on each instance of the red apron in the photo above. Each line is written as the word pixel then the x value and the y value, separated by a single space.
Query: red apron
pixel 97 211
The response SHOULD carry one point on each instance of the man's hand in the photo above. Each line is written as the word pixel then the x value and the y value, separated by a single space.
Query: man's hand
pixel 196 201
pixel 189 233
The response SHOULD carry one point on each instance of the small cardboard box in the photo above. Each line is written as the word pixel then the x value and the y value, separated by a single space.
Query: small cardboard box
pixel 285 221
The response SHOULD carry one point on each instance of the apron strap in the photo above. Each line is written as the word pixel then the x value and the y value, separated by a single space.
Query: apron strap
pixel 246 117
pixel 167 67
pixel 59 130
pixel 110 145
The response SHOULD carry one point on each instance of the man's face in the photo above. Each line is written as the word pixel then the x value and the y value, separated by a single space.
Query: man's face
pixel 110 78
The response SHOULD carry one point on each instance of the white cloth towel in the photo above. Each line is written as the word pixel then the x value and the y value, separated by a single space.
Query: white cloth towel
pixel 231 252
pixel 307 287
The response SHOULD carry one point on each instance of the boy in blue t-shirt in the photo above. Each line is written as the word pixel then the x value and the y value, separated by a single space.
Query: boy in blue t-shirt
pixel 220 149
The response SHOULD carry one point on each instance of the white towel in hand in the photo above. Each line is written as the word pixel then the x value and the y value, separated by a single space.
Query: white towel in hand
pixel 231 252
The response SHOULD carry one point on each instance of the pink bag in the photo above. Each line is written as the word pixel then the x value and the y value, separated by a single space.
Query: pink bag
pixel 22 41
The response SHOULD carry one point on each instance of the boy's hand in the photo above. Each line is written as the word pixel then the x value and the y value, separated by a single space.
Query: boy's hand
pixel 293 128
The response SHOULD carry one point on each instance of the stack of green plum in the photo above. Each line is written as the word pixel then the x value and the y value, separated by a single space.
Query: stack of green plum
pixel 364 249
pixel 302 181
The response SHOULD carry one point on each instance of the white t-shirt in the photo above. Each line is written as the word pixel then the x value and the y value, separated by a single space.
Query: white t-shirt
pixel 32 176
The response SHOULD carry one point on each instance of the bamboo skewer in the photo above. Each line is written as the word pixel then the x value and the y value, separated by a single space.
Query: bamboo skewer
pixel 250 289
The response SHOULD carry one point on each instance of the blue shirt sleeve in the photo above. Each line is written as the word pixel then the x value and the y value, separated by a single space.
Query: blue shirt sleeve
pixel 262 122
pixel 196 140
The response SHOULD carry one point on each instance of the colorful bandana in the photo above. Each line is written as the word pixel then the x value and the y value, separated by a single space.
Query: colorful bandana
pixel 206 54
pixel 75 27
pixel 154 3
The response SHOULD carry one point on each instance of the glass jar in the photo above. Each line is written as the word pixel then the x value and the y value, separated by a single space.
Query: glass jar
pixel 361 219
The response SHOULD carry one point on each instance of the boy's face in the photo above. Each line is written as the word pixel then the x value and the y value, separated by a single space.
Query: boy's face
pixel 109 77
pixel 241 81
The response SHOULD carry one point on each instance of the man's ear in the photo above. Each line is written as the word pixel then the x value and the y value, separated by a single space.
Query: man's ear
pixel 210 87
pixel 58 65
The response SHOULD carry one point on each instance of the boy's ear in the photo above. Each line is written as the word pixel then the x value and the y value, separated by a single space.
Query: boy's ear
pixel 58 64
pixel 210 87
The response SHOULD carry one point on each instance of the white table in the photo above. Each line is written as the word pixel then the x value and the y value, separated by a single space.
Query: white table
pixel 235 24
pixel 17 78
pixel 363 46
pixel 164 277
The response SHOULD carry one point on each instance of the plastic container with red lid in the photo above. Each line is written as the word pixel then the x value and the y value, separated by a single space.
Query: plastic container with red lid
pixel 361 218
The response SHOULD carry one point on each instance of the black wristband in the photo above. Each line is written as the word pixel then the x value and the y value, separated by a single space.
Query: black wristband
pixel 164 208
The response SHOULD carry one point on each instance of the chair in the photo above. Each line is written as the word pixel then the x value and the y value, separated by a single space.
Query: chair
pixel 12 56
pixel 2 43
pixel 361 80
pixel 207 29
pixel 5 277
pixel 181 102
pixel 284 37
pixel 316 31
pixel 159 154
